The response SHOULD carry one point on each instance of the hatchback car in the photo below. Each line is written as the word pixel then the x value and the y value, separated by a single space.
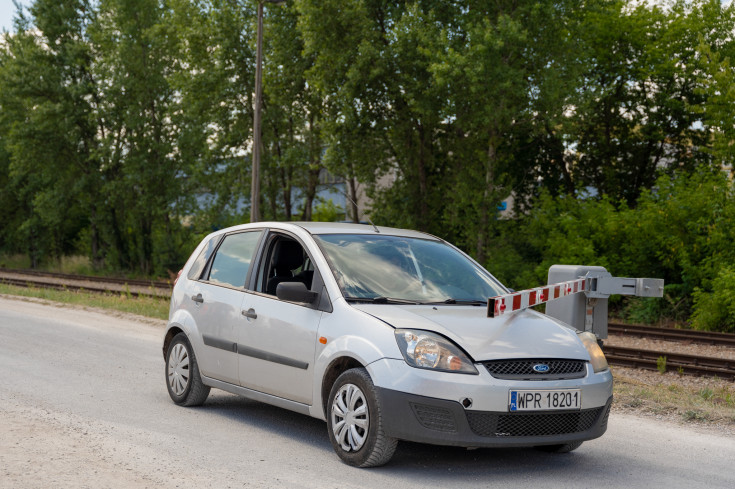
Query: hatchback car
pixel 384 333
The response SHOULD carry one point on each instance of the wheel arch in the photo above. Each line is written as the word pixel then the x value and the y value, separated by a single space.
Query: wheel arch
pixel 336 368
pixel 173 330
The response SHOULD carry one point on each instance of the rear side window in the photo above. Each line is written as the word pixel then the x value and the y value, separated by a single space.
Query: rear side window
pixel 233 258
pixel 195 272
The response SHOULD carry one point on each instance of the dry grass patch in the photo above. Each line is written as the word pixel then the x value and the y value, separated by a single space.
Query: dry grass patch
pixel 152 307
pixel 705 401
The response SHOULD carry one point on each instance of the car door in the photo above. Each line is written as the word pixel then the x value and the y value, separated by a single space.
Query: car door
pixel 217 298
pixel 277 343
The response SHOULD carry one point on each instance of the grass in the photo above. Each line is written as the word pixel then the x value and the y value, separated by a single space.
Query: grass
pixel 713 403
pixel 14 261
pixel 152 307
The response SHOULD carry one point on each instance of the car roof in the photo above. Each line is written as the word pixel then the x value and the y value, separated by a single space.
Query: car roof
pixel 336 228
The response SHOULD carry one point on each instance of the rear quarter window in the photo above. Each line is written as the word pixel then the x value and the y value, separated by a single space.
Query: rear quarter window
pixel 195 272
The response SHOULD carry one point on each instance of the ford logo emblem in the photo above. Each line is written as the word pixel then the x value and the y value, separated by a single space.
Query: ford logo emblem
pixel 541 368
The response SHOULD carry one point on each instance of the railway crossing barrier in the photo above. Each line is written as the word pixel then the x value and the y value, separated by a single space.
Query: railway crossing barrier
pixel 577 295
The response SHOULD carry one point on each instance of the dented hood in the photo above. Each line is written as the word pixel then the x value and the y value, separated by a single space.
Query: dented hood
pixel 524 334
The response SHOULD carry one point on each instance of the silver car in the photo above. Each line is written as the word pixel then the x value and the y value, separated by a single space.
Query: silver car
pixel 384 333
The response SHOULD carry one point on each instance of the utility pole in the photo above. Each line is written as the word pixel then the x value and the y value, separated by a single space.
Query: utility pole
pixel 255 179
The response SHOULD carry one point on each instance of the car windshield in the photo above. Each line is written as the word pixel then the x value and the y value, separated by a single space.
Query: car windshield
pixel 392 268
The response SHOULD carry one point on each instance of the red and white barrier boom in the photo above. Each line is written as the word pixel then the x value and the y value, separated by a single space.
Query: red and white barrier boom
pixel 505 304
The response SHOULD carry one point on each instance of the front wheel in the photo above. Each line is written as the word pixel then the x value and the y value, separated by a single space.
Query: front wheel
pixel 183 381
pixel 355 421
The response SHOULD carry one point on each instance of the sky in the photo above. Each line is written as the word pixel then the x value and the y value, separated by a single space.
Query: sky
pixel 7 12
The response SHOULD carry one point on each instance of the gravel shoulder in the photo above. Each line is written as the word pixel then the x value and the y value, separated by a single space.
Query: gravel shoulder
pixel 704 403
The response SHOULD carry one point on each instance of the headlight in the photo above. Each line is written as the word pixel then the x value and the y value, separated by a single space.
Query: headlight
pixel 597 358
pixel 422 349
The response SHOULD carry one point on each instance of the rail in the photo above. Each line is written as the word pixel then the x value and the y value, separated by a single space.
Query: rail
pixel 61 281
pixel 702 337
pixel 674 362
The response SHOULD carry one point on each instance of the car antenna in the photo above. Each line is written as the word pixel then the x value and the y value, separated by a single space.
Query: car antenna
pixel 358 208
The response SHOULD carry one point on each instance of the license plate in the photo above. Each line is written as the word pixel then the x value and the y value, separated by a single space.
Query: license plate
pixel 550 400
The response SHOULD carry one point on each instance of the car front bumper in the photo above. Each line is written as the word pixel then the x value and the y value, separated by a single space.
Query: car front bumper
pixel 440 422
pixel 425 406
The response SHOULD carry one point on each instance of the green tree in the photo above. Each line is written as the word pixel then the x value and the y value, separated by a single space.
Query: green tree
pixel 637 117
pixel 213 106
pixel 372 69
pixel 293 116
pixel 716 52
pixel 136 56
pixel 48 99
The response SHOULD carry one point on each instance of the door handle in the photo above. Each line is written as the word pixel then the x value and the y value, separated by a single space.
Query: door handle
pixel 197 298
pixel 250 313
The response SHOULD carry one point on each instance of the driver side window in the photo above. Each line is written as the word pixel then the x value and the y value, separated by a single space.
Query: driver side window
pixel 286 262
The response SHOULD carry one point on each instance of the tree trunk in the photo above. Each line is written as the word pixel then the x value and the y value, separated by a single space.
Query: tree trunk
pixel 355 214
pixel 489 190
pixel 423 182
pixel 315 166
pixel 146 252
pixel 557 154
pixel 95 239
pixel 310 191
pixel 286 189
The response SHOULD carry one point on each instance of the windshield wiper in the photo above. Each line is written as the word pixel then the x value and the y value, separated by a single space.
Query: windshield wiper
pixel 381 300
pixel 472 302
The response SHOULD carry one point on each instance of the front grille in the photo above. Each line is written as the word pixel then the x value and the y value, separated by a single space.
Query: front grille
pixel 434 418
pixel 559 369
pixel 532 424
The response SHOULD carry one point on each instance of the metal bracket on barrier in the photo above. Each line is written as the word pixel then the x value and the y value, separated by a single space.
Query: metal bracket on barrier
pixel 602 285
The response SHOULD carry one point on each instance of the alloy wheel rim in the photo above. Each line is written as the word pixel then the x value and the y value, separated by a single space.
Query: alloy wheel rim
pixel 178 369
pixel 350 420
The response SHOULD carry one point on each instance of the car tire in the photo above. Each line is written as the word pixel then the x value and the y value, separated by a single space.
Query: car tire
pixel 183 381
pixel 355 421
pixel 562 448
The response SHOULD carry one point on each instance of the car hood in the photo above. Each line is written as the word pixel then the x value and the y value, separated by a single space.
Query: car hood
pixel 523 334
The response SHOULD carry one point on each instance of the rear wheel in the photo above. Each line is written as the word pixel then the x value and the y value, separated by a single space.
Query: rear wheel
pixel 355 421
pixel 183 381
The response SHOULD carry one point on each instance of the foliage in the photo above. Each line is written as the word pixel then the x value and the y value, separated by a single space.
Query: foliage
pixel 126 131
pixel 715 309
pixel 327 211
pixel 680 231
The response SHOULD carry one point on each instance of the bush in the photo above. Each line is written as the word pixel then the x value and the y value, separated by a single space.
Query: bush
pixel 680 231
pixel 714 310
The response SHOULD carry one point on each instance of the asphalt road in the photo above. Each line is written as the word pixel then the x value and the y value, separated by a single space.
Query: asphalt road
pixel 83 404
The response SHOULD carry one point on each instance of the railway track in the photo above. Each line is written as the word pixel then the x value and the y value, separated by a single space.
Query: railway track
pixel 674 362
pixel 89 278
pixel 683 335
pixel 62 281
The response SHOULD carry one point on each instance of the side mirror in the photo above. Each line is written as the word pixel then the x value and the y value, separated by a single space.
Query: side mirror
pixel 295 292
